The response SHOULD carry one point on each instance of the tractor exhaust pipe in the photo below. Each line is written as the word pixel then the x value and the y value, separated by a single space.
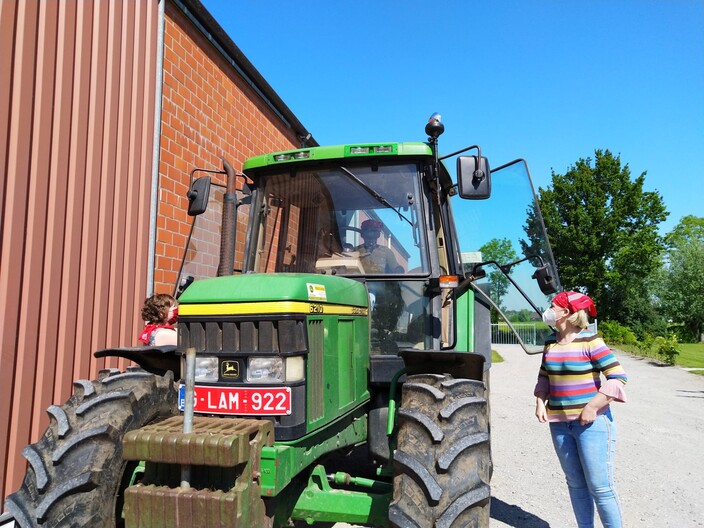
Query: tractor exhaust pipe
pixel 229 220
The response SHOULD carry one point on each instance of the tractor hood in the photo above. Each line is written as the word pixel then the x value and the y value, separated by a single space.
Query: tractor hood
pixel 266 287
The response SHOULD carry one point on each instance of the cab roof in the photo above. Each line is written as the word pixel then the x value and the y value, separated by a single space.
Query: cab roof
pixel 356 150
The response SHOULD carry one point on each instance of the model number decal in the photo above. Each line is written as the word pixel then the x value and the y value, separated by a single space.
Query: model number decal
pixel 316 308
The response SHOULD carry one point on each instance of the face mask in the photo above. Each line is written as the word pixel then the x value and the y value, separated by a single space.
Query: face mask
pixel 174 316
pixel 549 317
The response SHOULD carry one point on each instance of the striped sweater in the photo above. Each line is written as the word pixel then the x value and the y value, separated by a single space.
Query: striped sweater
pixel 571 375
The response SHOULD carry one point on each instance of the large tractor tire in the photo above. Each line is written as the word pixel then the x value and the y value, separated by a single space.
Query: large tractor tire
pixel 76 475
pixel 442 462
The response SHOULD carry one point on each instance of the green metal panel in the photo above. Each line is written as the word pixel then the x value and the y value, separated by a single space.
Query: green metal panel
pixel 465 322
pixel 338 152
pixel 341 380
pixel 263 287
pixel 281 462
pixel 345 367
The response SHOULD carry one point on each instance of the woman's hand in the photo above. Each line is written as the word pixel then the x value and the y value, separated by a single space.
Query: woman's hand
pixel 541 413
pixel 588 415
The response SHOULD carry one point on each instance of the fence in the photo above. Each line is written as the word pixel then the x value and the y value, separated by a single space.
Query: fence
pixel 530 333
pixel 501 334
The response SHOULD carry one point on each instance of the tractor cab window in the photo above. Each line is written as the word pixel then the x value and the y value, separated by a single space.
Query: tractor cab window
pixel 356 220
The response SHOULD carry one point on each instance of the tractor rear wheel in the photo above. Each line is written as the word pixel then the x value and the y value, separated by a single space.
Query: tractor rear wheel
pixel 76 475
pixel 442 462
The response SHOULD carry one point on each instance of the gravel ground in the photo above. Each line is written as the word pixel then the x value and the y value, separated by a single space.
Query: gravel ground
pixel 659 451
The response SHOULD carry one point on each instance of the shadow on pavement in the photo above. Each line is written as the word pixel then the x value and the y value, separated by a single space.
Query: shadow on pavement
pixel 690 394
pixel 513 515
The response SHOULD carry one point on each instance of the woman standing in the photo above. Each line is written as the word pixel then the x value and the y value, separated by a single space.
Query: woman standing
pixel 571 397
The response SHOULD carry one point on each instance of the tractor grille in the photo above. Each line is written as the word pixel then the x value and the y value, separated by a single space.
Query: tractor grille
pixel 234 338
pixel 237 336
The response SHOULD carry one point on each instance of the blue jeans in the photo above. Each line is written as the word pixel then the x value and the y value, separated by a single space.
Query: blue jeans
pixel 586 453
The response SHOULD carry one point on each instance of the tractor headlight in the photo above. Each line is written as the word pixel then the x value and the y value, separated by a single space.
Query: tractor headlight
pixel 268 369
pixel 206 368
pixel 295 369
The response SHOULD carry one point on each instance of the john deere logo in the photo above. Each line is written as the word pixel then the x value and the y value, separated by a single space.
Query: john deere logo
pixel 230 369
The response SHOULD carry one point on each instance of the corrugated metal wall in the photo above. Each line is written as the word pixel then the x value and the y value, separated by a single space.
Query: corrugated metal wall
pixel 76 143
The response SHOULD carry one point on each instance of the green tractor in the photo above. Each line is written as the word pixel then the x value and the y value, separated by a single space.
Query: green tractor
pixel 340 374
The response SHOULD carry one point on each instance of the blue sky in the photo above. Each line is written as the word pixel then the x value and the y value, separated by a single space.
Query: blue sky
pixel 548 81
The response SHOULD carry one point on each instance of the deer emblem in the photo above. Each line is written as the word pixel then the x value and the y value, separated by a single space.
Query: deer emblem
pixel 230 369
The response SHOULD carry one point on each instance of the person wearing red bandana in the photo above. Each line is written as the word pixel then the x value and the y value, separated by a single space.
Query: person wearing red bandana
pixel 571 397
pixel 159 312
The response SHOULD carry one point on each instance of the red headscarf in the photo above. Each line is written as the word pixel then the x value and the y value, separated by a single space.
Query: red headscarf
pixel 575 301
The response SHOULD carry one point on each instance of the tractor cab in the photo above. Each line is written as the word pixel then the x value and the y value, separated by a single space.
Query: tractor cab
pixel 364 218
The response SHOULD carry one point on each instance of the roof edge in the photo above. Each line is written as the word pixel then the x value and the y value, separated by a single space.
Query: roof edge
pixel 206 24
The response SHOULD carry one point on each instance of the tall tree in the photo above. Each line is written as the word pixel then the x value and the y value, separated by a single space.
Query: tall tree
pixel 682 283
pixel 603 229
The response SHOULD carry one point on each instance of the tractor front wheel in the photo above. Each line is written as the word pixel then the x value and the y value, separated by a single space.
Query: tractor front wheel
pixel 76 475
pixel 442 462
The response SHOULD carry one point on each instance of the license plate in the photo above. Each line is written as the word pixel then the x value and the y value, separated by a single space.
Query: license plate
pixel 247 401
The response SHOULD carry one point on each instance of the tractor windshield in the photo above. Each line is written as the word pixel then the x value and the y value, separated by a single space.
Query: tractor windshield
pixel 343 220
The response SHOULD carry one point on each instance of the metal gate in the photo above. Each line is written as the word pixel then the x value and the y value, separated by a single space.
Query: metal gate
pixel 530 333
pixel 501 333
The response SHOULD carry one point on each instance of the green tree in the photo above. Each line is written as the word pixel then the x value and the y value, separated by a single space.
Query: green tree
pixel 689 228
pixel 499 250
pixel 520 316
pixel 682 282
pixel 603 229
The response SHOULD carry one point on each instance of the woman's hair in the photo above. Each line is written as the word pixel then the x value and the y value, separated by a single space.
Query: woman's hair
pixel 579 318
pixel 156 307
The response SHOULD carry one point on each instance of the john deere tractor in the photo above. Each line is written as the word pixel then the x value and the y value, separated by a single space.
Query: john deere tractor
pixel 332 361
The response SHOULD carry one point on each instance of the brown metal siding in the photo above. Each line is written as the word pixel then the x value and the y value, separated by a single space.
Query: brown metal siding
pixel 77 86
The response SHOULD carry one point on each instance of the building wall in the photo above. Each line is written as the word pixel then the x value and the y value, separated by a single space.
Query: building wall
pixel 78 100
pixel 209 113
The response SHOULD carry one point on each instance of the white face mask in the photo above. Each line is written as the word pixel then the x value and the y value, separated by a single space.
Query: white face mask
pixel 549 317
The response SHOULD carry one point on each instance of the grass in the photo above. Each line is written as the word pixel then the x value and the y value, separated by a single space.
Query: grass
pixel 691 355
pixel 496 357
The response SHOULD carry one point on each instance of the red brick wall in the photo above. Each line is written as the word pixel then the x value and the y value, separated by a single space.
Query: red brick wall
pixel 209 112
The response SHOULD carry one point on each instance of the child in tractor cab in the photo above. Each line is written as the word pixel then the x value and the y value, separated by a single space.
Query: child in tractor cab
pixel 159 312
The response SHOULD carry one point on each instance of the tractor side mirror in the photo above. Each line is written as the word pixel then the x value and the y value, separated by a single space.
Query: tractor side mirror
pixel 473 177
pixel 198 196
pixel 546 279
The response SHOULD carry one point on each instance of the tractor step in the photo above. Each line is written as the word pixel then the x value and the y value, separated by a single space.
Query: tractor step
pixel 214 443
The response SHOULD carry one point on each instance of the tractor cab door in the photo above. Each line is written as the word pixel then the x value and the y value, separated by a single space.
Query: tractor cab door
pixel 505 252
